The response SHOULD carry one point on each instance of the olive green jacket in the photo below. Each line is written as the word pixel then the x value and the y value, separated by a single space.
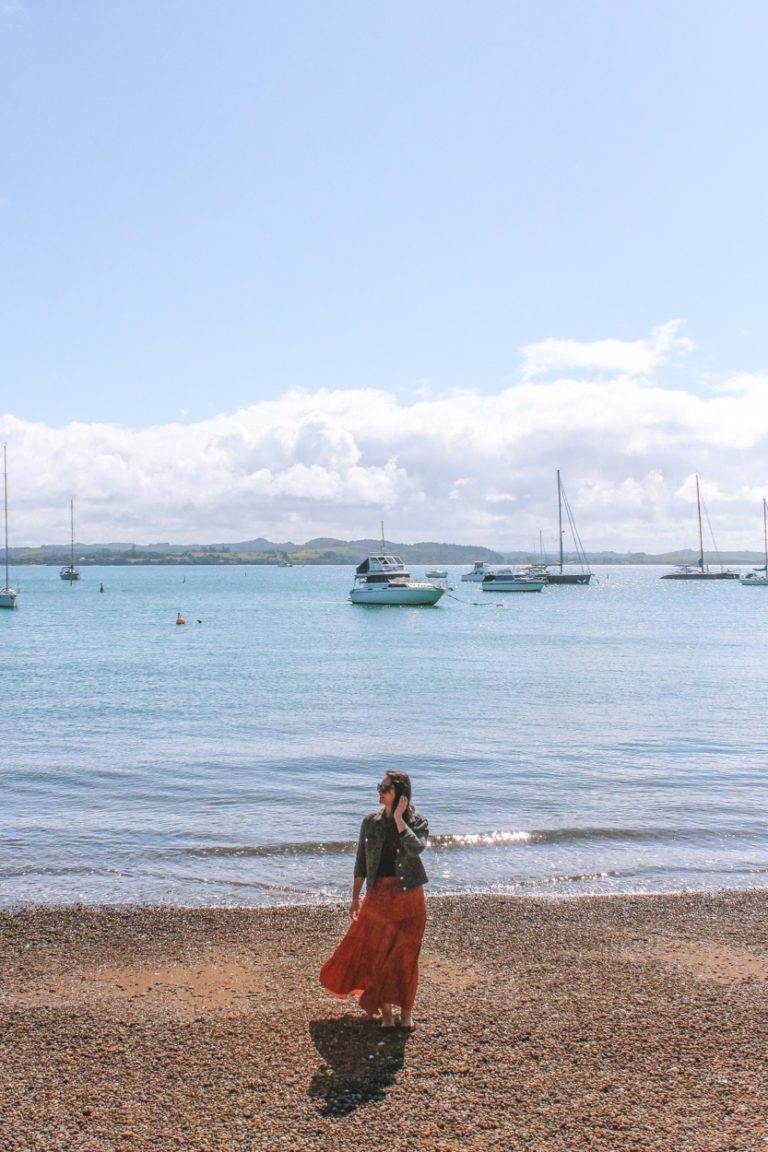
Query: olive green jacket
pixel 409 869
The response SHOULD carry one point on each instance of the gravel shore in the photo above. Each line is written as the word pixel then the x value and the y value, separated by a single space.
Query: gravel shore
pixel 606 1023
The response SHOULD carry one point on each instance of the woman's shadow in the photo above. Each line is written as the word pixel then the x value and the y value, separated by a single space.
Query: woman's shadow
pixel 360 1062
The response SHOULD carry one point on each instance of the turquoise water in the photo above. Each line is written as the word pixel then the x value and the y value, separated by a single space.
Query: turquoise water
pixel 601 739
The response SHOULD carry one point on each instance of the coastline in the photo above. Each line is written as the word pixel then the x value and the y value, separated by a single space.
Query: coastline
pixel 610 1022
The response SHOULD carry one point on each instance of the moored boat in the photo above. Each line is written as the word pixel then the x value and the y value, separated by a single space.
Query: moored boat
pixel 693 572
pixel 759 578
pixel 384 579
pixel 69 572
pixel 8 595
pixel 535 572
pixel 511 582
pixel 583 576
pixel 478 572
pixel 436 574
pixel 700 570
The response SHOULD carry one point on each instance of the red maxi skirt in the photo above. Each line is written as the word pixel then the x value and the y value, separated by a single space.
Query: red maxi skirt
pixel 378 959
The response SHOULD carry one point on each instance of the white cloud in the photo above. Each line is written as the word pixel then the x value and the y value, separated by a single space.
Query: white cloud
pixel 466 467
pixel 634 357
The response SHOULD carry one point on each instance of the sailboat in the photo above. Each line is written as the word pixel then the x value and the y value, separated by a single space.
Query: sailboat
pixel 699 570
pixel 755 579
pixel 7 594
pixel 560 576
pixel 69 572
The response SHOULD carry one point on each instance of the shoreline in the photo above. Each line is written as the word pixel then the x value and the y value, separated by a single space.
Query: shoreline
pixel 342 901
pixel 610 1022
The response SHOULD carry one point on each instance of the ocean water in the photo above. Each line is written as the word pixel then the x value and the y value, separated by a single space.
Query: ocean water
pixel 602 739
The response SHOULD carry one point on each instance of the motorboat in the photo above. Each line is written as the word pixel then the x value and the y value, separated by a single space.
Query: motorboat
pixel 8 595
pixel 759 578
pixel 384 579
pixel 751 580
pixel 506 581
pixel 478 573
pixel 535 572
pixel 437 574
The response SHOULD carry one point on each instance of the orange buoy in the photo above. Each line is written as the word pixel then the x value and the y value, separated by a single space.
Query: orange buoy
pixel 180 619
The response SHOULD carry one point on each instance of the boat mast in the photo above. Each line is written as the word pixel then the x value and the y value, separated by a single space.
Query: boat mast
pixel 560 518
pixel 701 536
pixel 383 545
pixel 765 537
pixel 72 537
pixel 5 498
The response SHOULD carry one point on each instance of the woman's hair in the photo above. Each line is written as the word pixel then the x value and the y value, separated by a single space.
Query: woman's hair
pixel 402 785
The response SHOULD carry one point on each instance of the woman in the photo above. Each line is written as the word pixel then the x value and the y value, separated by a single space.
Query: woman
pixel 378 959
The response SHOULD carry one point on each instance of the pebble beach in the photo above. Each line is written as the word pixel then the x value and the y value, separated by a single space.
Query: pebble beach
pixel 602 1023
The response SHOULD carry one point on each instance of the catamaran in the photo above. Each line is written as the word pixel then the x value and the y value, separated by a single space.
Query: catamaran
pixel 69 572
pixel 700 570
pixel 759 578
pixel 8 595
pixel 560 576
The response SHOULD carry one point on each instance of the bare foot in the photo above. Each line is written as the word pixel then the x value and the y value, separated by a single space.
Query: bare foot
pixel 407 1022
pixel 387 1016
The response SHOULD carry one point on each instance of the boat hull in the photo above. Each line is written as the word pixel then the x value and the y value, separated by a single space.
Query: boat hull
pixel 569 577
pixel 513 585
pixel 424 595
pixel 700 576
pixel 748 582
pixel 8 598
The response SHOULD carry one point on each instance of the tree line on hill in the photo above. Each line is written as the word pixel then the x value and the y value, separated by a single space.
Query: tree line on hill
pixel 328 550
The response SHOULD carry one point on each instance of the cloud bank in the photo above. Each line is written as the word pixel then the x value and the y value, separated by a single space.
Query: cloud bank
pixel 634 357
pixel 462 467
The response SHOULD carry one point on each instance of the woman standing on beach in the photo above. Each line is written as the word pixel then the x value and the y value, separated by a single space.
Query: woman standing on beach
pixel 378 959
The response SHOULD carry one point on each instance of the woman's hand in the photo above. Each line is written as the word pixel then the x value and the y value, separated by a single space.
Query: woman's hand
pixel 354 908
pixel 400 810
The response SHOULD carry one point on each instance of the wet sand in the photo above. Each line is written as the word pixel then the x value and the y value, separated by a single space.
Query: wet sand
pixel 608 1024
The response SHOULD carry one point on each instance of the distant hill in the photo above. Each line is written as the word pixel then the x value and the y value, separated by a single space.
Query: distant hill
pixel 683 556
pixel 329 550
pixel 321 550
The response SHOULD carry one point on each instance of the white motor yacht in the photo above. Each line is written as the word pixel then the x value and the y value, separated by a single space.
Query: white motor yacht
pixel 437 574
pixel 535 572
pixel 384 579
pixel 756 579
pixel 479 572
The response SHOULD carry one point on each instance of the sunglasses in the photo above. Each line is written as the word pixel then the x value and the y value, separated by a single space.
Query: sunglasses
pixel 384 787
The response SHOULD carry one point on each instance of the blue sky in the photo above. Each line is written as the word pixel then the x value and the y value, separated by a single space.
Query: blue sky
pixel 482 240
pixel 205 204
